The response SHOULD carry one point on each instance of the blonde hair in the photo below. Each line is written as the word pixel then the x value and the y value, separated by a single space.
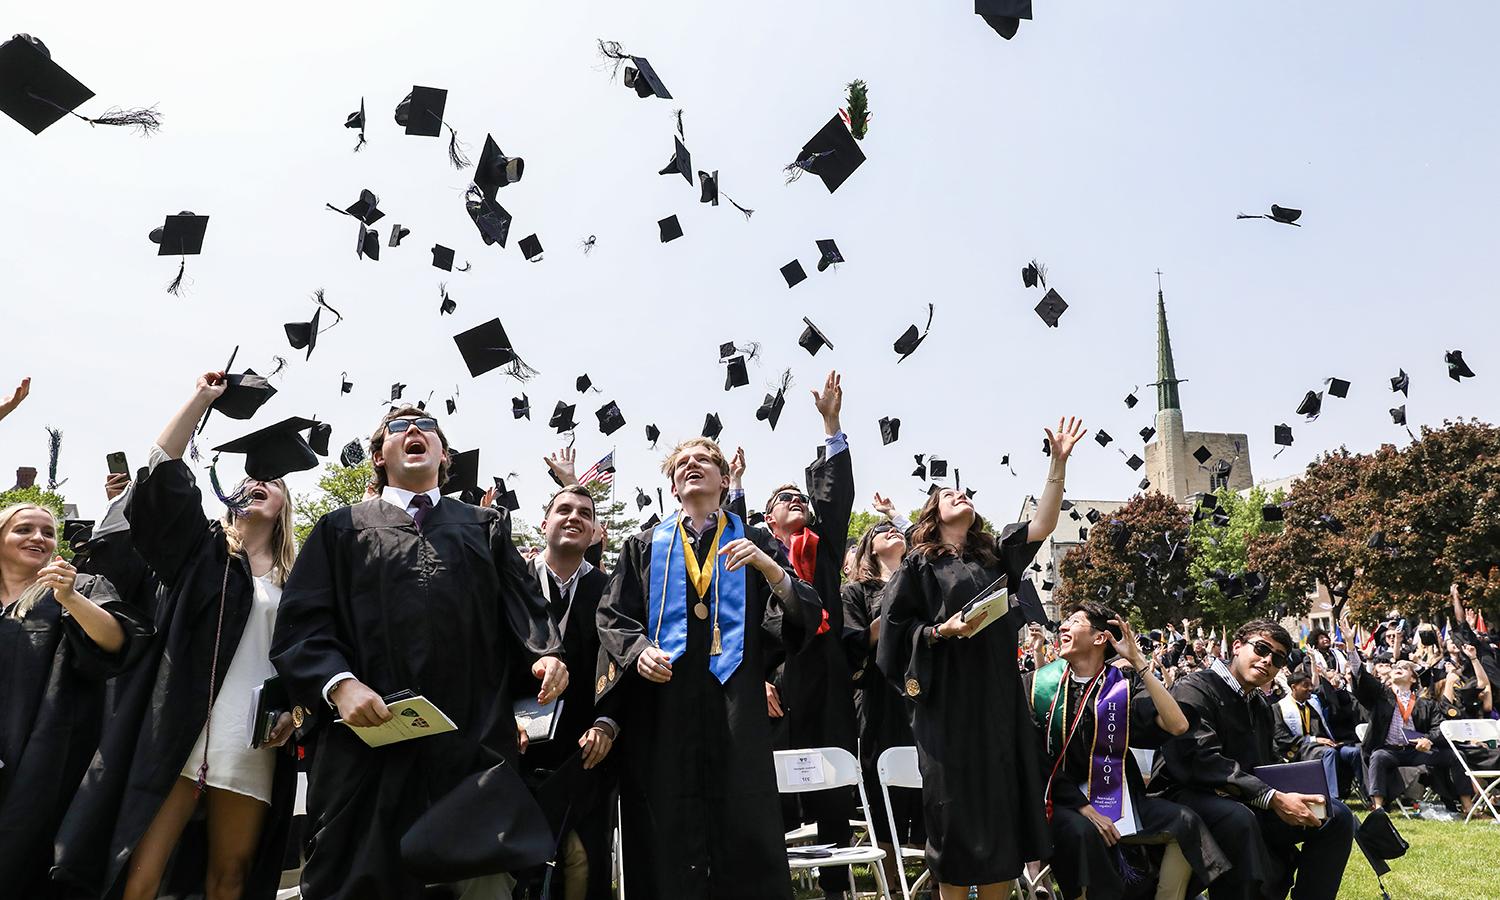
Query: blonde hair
pixel 716 456
pixel 34 592
pixel 283 537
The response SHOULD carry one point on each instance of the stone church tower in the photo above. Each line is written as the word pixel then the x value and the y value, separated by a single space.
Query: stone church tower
pixel 1183 463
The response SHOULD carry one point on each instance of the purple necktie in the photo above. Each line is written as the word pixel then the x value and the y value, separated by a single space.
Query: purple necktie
pixel 423 506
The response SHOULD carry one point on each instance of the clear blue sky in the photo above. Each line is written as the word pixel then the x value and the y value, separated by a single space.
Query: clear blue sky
pixel 1108 140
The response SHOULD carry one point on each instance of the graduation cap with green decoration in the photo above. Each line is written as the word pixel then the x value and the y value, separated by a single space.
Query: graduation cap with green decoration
pixel 832 154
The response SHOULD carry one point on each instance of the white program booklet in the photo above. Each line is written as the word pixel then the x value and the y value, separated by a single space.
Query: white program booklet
pixel 993 602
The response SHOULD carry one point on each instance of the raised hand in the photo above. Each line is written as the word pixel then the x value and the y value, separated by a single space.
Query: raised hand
pixel 563 465
pixel 9 402
pixel 115 485
pixel 884 506
pixel 211 385
pixel 737 470
pixel 1126 645
pixel 1069 432
pixel 830 403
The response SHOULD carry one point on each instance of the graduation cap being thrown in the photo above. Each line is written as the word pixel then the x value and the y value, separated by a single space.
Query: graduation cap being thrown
pixel 1457 368
pixel 793 273
pixel 180 235
pixel 1283 214
pixel 828 254
pixel 735 373
pixel 356 119
pixel 275 451
pixel 1311 405
pixel 1337 387
pixel 709 184
pixel 681 162
pixel 640 76
pixel 36 92
pixel 1033 274
pixel 890 430
pixel 352 454
pixel 909 340
pixel 505 498
pixel 421 114
pixel 832 154
pixel 610 418
pixel 520 407
pixel 1051 307
pixel 486 347
pixel 653 434
pixel 1004 16
pixel 495 170
pixel 670 229
pixel 463 473
pixel 712 426
pixel 492 219
pixel 770 408
pixel 243 395
pixel 562 417
pixel 812 339
pixel 531 248
pixel 366 209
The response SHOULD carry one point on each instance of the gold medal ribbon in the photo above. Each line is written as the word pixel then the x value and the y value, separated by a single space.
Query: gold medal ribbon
pixel 701 575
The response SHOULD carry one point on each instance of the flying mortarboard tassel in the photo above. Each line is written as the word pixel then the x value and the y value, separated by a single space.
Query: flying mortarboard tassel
pixel 32 61
pixel 357 120
pixel 338 317
pixel 588 244
pixel 54 450
pixel 236 502
pixel 857 113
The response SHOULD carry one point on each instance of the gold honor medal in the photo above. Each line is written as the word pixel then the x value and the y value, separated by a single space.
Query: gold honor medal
pixel 700 610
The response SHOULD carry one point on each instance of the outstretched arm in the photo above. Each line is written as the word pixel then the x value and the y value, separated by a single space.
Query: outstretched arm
pixel 1069 432
pixel 173 439
pixel 9 402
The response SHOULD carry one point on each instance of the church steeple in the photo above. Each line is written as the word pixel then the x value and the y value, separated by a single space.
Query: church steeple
pixel 1166 371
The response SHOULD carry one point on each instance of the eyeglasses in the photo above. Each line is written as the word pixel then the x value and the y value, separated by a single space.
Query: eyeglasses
pixel 883 528
pixel 397 426
pixel 1261 648
pixel 789 497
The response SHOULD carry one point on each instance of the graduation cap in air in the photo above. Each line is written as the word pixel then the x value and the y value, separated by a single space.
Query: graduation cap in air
pixel 486 347
pixel 531 248
pixel 832 155
pixel 642 499
pixel 1033 274
pixel 275 451
pixel 448 304
pixel 709 183
pixel 735 373
pixel 396 391
pixel 583 384
pixel 1135 462
pixel 562 417
pixel 681 162
pixel 304 334
pixel 356 119
pixel 1457 368
pixel 345 385
pixel 367 243
pixel 504 497
pixel 180 235
pixel 1311 405
pixel 812 339
pixel 495 170
pixel 1145 483
pixel 1102 437
pixel 397 233
pixel 243 395
pixel 1004 16
pixel 1203 455
pixel 921 470
pixel 793 273
pixel 520 407
pixel 937 468
pixel 828 254
pixel 318 436
pixel 1131 399
pixel 712 426
pixel 353 454
pixel 1398 414
pixel 492 219
pixel 770 408
pixel 653 434
pixel 1208 501
pixel 670 229
pixel 1401 382
pixel 610 418
pixel 909 340
pixel 1283 214
pixel 1051 307
pixel 37 92
pixel 442 257
pixel 463 472
pixel 421 114
pixel 890 430
pixel 1272 512
pixel 1284 435
pixel 1148 433
pixel 1337 387
pixel 1092 516
pixel 451 405
pixel 640 76
pixel 366 209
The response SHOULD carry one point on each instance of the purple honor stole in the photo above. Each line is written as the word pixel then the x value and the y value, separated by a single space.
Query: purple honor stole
pixel 1109 692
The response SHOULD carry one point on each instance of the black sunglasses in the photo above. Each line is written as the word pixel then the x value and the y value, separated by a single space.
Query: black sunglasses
pixel 789 496
pixel 426 423
pixel 882 528
pixel 1261 648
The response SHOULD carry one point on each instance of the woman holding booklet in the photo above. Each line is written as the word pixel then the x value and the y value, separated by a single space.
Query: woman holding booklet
pixel 981 793
pixel 179 732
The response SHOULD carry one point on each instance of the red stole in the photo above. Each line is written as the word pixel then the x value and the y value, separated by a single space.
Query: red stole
pixel 804 554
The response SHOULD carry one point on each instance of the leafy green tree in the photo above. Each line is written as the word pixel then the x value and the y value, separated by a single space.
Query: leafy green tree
pixel 338 486
pixel 1226 549
pixel 862 521
pixel 616 518
pixel 1136 560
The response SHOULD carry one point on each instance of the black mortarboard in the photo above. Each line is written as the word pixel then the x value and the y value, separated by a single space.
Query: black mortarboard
pixel 610 418
pixel 505 498
pixel 1004 16
pixel 670 229
pixel 421 113
pixel 828 254
pixel 531 248
pixel 396 390
pixel 1220 518
pixel 890 430
pixel 318 436
pixel 708 183
pixel 770 408
pixel 276 450
pixel 304 334
pixel 735 373
pixel 582 383
pixel 643 79
pixel 367 243
pixel 1208 501
pixel 562 417
pixel 653 434
pixel 1401 382
pixel 37 92
pixel 1311 405
pixel 1051 307
pixel 448 306
pixel 366 208
pixel 793 273
pixel 1284 435
pixel 1379 841
pixel 520 407
pixel 909 340
pixel 1131 400
pixel 1457 368
pixel 1285 214
pixel 463 472
pixel 495 170
pixel 1102 437
pixel 1272 512
pixel 451 405
pixel 398 231
pixel 1145 483
pixel 1148 433
pixel 492 219
pixel 180 235
pixel 345 385
pixel 1033 274
pixel 812 340
pixel 1398 414
pixel 1202 454
pixel 353 453
pixel 486 347
pixel 1134 462
pixel 1338 387
pixel 243 395
pixel 921 470
pixel 832 155
pixel 681 162
pixel 642 499
pixel 712 427
pixel 937 468
pixel 1093 516
pixel 356 119
pixel 442 257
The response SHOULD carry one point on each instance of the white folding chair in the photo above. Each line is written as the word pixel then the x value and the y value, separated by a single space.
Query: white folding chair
pixel 1484 780
pixel 897 767
pixel 826 769
pixel 1144 760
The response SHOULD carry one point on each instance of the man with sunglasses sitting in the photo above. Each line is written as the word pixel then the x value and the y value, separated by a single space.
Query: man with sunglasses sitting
pixel 1210 770
pixel 408 591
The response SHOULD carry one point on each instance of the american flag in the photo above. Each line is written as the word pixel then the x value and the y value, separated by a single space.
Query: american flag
pixel 602 471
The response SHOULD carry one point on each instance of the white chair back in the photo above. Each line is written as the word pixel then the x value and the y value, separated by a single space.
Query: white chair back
pixel 1361 730
pixel 897 767
pixel 1471 729
pixel 1145 759
pixel 815 769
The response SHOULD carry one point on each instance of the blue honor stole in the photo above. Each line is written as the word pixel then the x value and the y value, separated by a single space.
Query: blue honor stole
pixel 667 599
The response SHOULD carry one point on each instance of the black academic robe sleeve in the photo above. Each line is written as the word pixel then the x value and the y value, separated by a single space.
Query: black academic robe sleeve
pixel 830 486
pixel 1197 759
pixel 308 649
pixel 166 518
pixel 88 658
pixel 857 626
pixel 904 652
pixel 525 607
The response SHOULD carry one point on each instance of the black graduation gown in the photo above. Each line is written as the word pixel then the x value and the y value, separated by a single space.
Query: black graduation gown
pixel 1080 858
pixel 53 677
pixel 445 613
pixel 974 735
pixel 701 818
pixel 882 712
pixel 160 705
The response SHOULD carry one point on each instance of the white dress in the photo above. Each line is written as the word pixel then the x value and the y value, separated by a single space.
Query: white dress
pixel 232 765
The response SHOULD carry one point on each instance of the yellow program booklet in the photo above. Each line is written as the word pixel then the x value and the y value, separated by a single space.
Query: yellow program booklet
pixel 411 717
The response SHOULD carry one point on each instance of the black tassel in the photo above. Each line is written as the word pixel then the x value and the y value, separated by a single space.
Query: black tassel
pixel 361 145
pixel 237 502
pixel 747 213
pixel 54 450
pixel 455 151
pixel 193 453
pixel 677 114
pixel 175 286
pixel 146 121
pixel 614 56
pixel 588 244
pixel 465 267
pixel 280 362
pixel 520 371
pixel 337 316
